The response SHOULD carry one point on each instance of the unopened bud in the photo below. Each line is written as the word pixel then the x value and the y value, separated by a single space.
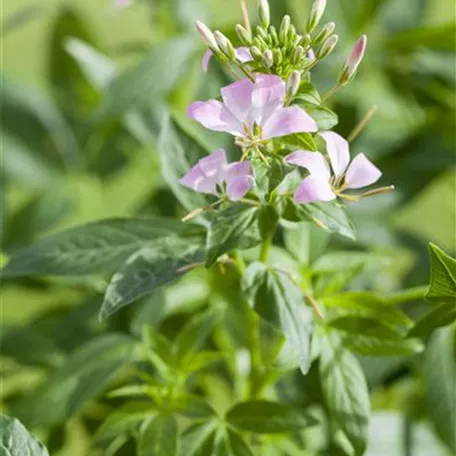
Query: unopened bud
pixel 243 34
pixel 256 53
pixel 225 44
pixel 327 47
pixel 353 61
pixel 268 58
pixel 284 29
pixel 278 57
pixel 293 83
pixel 324 33
pixel 260 43
pixel 292 34
pixel 316 13
pixel 274 36
pixel 207 35
pixel 264 12
pixel 297 55
pixel 261 32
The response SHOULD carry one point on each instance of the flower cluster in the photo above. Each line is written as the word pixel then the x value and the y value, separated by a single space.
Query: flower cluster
pixel 259 110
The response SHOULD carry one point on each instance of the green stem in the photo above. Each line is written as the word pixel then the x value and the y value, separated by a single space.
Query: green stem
pixel 404 296
pixel 265 249
pixel 240 263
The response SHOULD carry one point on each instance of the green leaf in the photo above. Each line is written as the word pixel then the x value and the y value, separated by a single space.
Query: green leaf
pixel 151 80
pixel 344 390
pixel 193 407
pixel 159 437
pixel 125 418
pixel 277 299
pixel 148 269
pixel 151 312
pixel 94 248
pixel 443 277
pixel 374 346
pixel 325 118
pixel 308 94
pixel 15 440
pixel 20 17
pixel 442 315
pixel 265 417
pixel 198 440
pixel 81 378
pixel 364 326
pixel 232 444
pixel 440 378
pixel 237 227
pixel 299 141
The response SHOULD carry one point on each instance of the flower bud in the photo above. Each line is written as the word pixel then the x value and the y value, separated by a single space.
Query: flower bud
pixel 278 57
pixel 316 13
pixel 274 36
pixel 207 35
pixel 297 55
pixel 264 12
pixel 292 34
pixel 260 43
pixel 353 60
pixel 268 58
pixel 293 83
pixel 324 33
pixel 244 36
pixel 284 29
pixel 225 44
pixel 327 47
pixel 256 53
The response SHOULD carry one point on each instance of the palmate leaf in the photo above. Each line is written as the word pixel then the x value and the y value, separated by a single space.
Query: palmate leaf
pixel 344 390
pixel 159 437
pixel 95 248
pixel 16 440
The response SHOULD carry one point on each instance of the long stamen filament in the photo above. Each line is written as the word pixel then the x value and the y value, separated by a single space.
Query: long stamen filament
pixel 201 210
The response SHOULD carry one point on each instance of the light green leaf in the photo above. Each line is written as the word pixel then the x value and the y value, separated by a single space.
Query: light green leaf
pixel 193 407
pixel 443 277
pixel 148 269
pixel 198 440
pixel 344 390
pixel 151 80
pixel 151 312
pixel 375 346
pixel 364 326
pixel 232 444
pixel 237 227
pixel 325 117
pixel 16 440
pixel 442 315
pixel 94 248
pixel 440 377
pixel 159 437
pixel 81 378
pixel 277 299
pixel 265 417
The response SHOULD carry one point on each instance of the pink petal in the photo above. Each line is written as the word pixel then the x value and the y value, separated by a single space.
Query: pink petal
pixel 213 166
pixel 286 121
pixel 215 116
pixel 206 59
pixel 239 187
pixel 238 99
pixel 196 180
pixel 361 172
pixel 338 151
pixel 268 96
pixel 238 169
pixel 314 162
pixel 312 189
pixel 356 56
pixel 243 54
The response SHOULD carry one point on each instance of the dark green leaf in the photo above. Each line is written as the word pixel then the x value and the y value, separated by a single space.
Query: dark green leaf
pixel 151 312
pixel 344 390
pixel 148 269
pixel 151 80
pixel 440 378
pixel 237 227
pixel 159 437
pixel 193 407
pixel 15 440
pixel 84 375
pixel 277 299
pixel 264 417
pixel 198 440
pixel 374 346
pixel 442 315
pixel 443 277
pixel 94 248
pixel 232 444
pixel 364 326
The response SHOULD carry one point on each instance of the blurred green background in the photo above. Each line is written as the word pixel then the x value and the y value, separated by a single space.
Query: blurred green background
pixel 60 167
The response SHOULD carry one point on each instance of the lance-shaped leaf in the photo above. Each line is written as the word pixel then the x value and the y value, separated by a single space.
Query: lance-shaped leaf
pixel 265 417
pixel 344 390
pixel 159 437
pixel 198 440
pixel 376 346
pixel 442 315
pixel 443 277
pixel 99 247
pixel 16 440
pixel 232 444
pixel 278 300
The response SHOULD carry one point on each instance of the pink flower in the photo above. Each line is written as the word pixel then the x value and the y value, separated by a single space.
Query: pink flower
pixel 213 175
pixel 243 55
pixel 320 185
pixel 253 111
pixel 354 60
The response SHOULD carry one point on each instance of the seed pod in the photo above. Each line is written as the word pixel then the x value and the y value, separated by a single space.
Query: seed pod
pixel 268 59
pixel 225 44
pixel 244 36
pixel 324 33
pixel 327 47
pixel 316 13
pixel 264 12
pixel 284 29
pixel 256 53
pixel 293 83
pixel 353 60
pixel 207 35
pixel 274 36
